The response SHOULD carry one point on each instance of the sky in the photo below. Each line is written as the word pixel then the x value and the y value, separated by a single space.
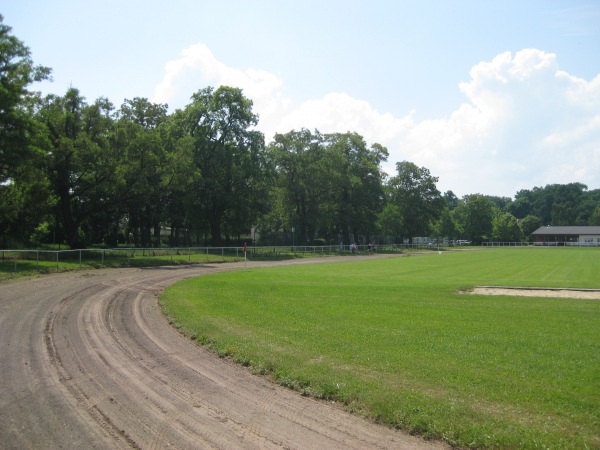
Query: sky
pixel 491 96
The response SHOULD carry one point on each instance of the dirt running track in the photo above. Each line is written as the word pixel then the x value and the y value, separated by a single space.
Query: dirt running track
pixel 87 360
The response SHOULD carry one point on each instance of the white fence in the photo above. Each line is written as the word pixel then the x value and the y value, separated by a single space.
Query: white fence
pixel 506 244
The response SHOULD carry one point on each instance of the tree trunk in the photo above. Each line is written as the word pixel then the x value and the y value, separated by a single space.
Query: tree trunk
pixel 215 232
pixel 71 234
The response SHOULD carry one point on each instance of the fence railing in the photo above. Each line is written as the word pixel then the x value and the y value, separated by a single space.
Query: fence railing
pixel 57 259
pixel 46 260
pixel 505 244
pixel 567 244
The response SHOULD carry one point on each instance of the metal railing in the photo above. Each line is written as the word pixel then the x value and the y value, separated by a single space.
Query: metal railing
pixel 52 260
pixel 506 244
pixel 40 260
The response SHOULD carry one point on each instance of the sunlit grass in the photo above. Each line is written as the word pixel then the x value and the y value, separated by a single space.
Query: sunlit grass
pixel 394 340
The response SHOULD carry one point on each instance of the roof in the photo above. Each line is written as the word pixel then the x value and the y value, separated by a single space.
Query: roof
pixel 579 231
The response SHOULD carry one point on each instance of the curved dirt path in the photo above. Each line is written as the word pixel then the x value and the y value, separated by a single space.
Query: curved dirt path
pixel 87 360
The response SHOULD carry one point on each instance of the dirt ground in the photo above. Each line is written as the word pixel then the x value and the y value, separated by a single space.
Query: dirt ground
pixel 87 360
pixel 593 294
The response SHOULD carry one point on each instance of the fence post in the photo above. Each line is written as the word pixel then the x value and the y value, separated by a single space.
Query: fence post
pixel 37 260
pixel 79 257
pixel 57 260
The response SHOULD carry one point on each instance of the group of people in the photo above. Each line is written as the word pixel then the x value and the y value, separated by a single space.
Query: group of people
pixel 354 247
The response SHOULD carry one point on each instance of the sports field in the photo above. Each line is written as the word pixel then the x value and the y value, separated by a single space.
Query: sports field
pixel 395 340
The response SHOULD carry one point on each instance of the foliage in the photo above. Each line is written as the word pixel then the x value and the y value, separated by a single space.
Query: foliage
pixel 299 161
pixel 390 221
pixel 97 175
pixel 475 214
pixel 329 184
pixel 413 190
pixel 80 162
pixel 505 228
pixel 595 217
pixel 451 200
pixel 446 226
pixel 17 72
pixel 556 204
pixel 230 160
pixel 145 168
pixel 528 225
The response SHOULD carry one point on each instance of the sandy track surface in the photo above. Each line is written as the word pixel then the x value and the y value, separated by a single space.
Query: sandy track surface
pixel 87 360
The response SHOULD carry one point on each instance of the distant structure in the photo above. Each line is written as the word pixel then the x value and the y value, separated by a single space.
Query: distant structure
pixel 574 236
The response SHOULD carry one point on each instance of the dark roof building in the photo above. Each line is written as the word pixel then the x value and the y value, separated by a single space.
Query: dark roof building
pixel 589 236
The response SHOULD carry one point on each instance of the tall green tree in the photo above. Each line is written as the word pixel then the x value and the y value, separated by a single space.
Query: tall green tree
pixel 451 200
pixel 595 217
pixel 475 214
pixel 145 166
pixel 390 221
pixel 302 176
pixel 528 225
pixel 505 228
pixel 82 166
pixel 179 149
pixel 25 198
pixel 356 184
pixel 554 204
pixel 414 191
pixel 502 203
pixel 521 206
pixel 17 72
pixel 229 155
pixel 446 227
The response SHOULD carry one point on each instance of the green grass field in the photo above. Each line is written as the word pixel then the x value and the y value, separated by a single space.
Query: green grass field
pixel 394 340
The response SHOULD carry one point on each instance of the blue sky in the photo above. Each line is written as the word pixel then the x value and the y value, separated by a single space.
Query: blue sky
pixel 491 96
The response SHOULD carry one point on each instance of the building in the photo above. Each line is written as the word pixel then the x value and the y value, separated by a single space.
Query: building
pixel 575 236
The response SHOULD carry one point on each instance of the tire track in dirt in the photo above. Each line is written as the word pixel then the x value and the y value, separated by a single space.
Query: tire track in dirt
pixel 89 360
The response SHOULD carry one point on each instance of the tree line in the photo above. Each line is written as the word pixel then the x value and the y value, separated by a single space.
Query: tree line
pixel 93 174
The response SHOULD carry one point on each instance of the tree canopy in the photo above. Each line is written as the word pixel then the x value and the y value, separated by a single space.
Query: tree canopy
pixel 86 173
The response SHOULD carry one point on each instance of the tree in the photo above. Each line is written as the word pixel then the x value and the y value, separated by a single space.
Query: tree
pixel 502 203
pixel 25 202
pixel 82 166
pixel 230 160
pixel 389 221
pixel 355 183
pixel 505 228
pixel 475 214
pixel 17 72
pixel 446 227
pixel 302 177
pixel 528 225
pixel 451 200
pixel 557 204
pixel 414 191
pixel 145 166
pixel 595 217
pixel 521 206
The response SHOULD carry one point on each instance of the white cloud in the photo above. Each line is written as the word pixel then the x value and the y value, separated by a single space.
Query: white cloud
pixel 524 122
pixel 198 68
